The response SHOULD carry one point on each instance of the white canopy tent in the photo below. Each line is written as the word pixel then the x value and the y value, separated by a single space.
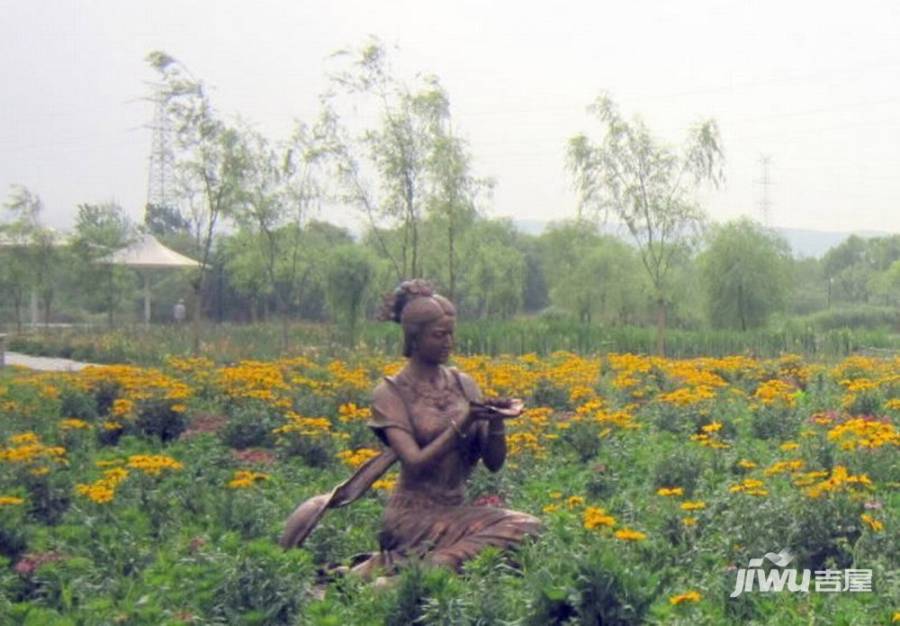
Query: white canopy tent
pixel 145 254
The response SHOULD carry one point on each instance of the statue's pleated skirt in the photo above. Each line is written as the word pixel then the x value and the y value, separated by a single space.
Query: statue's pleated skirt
pixel 419 526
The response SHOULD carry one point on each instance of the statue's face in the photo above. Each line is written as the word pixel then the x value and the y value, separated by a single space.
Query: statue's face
pixel 435 342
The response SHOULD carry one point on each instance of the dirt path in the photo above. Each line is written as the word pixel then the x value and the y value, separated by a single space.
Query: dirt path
pixel 44 363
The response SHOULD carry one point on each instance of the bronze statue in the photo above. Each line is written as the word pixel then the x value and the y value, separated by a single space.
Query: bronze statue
pixel 434 420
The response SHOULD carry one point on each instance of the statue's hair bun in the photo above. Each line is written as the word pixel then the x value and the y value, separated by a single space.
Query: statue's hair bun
pixel 406 292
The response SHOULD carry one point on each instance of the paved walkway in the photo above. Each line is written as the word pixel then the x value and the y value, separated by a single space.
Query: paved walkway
pixel 44 363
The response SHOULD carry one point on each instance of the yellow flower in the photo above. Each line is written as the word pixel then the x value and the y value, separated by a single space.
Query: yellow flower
pixel 387 483
pixel 73 424
pixel 97 492
pixel 689 521
pixel 670 491
pixel 355 458
pixel 574 501
pixel 862 433
pixel 10 500
pixel 244 479
pixel 551 508
pixel 22 439
pixel 840 480
pixel 776 393
pixel 122 407
pixel 787 446
pixel 351 413
pixel 627 534
pixel 595 517
pixel 746 464
pixel 712 427
pixel 876 525
pixel 153 465
pixel 693 505
pixel 690 596
pixel 555 495
pixel 780 467
pixel 751 487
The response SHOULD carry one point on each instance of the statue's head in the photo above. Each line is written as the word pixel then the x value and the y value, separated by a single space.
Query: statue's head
pixel 428 319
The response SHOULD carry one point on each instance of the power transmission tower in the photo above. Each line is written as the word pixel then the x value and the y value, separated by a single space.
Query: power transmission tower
pixel 765 202
pixel 161 175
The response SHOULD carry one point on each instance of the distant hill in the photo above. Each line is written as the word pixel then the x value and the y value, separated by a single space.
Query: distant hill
pixel 803 242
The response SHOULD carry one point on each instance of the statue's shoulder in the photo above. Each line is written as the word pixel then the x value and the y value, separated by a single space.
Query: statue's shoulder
pixel 387 393
pixel 468 384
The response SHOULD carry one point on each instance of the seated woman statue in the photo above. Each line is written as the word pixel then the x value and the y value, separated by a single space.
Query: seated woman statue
pixel 434 420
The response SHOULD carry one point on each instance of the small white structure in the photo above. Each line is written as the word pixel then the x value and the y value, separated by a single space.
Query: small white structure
pixel 145 254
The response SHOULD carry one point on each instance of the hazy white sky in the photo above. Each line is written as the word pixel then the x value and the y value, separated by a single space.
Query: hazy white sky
pixel 816 86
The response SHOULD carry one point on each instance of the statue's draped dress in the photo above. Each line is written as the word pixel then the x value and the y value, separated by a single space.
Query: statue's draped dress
pixel 426 516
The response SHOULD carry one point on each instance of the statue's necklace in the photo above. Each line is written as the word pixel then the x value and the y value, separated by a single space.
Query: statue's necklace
pixel 439 397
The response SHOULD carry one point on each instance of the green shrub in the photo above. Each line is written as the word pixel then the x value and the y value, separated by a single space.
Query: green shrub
pixel 157 419
pixel 679 468
pixel 250 426
pixel 75 403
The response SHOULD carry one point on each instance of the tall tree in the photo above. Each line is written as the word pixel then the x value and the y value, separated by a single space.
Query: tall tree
pixel 210 161
pixel 492 270
pixel 32 252
pixel 347 277
pixel 647 186
pixel 746 273
pixel 406 164
pixel 282 191
pixel 100 230
pixel 590 275
pixel 452 202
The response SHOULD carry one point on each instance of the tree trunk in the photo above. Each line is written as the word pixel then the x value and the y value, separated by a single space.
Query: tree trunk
pixel 17 304
pixel 196 308
pixel 109 299
pixel 285 332
pixel 450 262
pixel 661 327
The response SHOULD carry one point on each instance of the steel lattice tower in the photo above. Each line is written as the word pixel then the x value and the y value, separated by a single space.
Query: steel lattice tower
pixel 161 176
pixel 765 202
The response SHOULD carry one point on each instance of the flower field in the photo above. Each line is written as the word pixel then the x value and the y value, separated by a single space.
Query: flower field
pixel 137 495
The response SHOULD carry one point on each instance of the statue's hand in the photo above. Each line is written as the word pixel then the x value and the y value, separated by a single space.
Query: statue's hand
pixel 498 408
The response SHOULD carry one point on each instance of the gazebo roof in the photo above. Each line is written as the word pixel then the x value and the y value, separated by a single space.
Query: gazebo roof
pixel 148 253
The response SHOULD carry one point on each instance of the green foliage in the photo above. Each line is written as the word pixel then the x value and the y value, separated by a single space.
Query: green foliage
pixel 608 590
pixel 100 230
pixel 491 271
pixel 678 468
pixel 348 275
pixel 250 425
pixel 856 317
pixel 591 276
pixel 647 186
pixel 745 275
pixel 76 404
pixel 545 393
pixel 156 418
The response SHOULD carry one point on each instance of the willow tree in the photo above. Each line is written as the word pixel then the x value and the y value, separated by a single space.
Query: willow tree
pixel 211 162
pixel 648 186
pixel 746 274
pixel 403 164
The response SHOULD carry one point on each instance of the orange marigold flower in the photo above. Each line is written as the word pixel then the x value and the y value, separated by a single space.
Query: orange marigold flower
pixel 627 534
pixel 690 596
